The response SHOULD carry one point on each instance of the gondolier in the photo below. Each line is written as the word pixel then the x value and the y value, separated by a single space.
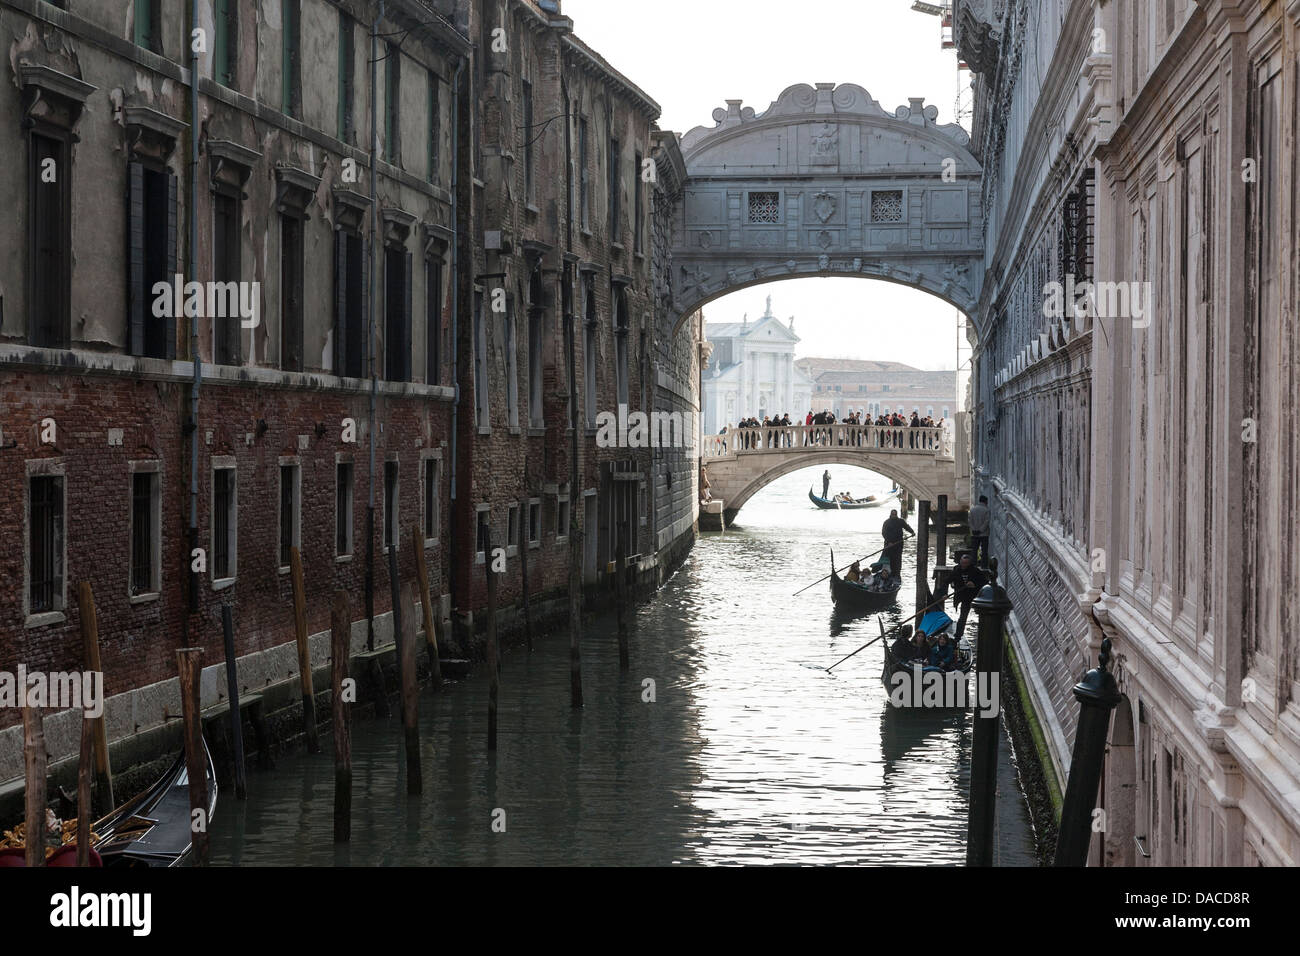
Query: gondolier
pixel 826 483
pixel 892 531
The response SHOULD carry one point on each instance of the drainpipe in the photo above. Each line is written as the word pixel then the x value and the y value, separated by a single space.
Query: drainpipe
pixel 370 323
pixel 194 323
pixel 453 554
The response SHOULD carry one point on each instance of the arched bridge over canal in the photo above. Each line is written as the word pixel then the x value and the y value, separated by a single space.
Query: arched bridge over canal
pixel 744 461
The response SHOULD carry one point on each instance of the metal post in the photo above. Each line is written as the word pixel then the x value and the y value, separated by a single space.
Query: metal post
pixel 992 606
pixel 1097 694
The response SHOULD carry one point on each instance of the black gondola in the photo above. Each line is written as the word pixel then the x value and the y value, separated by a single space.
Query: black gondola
pixel 870 501
pixel 859 597
pixel 153 829
pixel 911 687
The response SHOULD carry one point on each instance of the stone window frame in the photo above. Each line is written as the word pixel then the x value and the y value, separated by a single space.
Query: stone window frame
pixel 392 521
pixel 344 458
pixel 749 207
pixel 294 462
pixel 480 557
pixel 431 457
pixel 902 209
pixel 562 498
pixel 223 463
pixel 149 466
pixel 534 505
pixel 514 513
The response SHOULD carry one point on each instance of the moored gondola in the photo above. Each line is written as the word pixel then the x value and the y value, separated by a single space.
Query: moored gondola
pixel 850 596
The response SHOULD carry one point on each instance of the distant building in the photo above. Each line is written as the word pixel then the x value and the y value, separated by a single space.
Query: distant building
pixel 752 372
pixel 873 388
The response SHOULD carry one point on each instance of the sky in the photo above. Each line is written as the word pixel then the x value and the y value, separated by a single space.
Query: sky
pixel 690 56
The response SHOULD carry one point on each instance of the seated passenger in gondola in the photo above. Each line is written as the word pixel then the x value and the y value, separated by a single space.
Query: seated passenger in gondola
pixel 855 573
pixel 943 653
pixel 902 648
pixel 920 647
pixel 883 581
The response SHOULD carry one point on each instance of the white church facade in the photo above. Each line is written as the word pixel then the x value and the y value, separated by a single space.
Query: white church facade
pixel 752 372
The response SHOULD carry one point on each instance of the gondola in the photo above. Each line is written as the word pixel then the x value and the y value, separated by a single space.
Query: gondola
pixel 911 687
pixel 858 597
pixel 870 501
pixel 153 829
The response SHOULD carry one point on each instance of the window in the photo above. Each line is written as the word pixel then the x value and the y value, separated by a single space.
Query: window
pixel 148 25
pixel 392 532
pixel 291 293
pixel 351 274
pixel 765 207
pixel 151 258
pixel 225 512
pixel 50 208
pixel 347 84
pixel 582 174
pixel 527 126
pixel 512 367
pixel 512 529
pixel 343 508
pixel 887 205
pixel 45 588
pixel 561 518
pixel 612 175
pixel 621 329
pixel 536 316
pixel 226 346
pixel 638 201
pixel 290 61
pixel 146 536
pixel 481 409
pixel 534 522
pixel 431 472
pixel 393 105
pixel 483 533
pixel 433 321
pixel 435 126
pixel 589 354
pixel 397 314
pixel 290 508
pixel 225 41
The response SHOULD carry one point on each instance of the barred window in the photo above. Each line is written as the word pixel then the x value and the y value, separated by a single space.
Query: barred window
pixel 765 207
pixel 887 206
pixel 45 548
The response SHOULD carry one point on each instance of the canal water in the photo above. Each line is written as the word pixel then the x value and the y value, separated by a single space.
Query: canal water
pixel 726 742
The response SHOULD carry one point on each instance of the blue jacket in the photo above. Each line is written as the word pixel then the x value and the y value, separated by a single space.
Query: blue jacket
pixel 941 655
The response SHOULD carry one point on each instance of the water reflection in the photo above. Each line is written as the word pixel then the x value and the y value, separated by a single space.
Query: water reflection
pixel 750 752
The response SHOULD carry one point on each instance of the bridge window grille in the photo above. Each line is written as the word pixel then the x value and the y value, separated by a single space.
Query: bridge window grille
pixel 765 207
pixel 887 205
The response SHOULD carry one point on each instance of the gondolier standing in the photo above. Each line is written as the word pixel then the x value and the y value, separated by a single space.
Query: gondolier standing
pixel 892 531
pixel 966 583
pixel 826 483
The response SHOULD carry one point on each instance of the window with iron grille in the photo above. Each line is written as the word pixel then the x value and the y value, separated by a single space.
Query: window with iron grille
pixel 343 508
pixel 887 205
pixel 289 508
pixel 145 531
pixel 391 502
pixel 765 207
pixel 431 470
pixel 224 523
pixel 45 545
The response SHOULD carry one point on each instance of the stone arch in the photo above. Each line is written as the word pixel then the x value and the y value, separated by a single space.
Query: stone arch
pixel 827 182
pixel 887 465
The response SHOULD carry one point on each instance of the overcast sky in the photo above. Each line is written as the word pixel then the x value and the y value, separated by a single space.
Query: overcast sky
pixel 691 56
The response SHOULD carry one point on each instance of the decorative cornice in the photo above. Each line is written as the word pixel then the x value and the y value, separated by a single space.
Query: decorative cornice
pixel 294 190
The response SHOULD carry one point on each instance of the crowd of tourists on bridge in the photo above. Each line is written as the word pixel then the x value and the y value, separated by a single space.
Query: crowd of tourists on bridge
pixel 893 430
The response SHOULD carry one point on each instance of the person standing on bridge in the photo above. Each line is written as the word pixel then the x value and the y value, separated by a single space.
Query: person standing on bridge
pixel 978 520
pixel 892 531
pixel 826 483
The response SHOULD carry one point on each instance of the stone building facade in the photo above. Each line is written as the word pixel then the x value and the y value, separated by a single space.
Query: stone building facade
pixel 476 260
pixel 1139 456
pixel 752 372
pixel 874 388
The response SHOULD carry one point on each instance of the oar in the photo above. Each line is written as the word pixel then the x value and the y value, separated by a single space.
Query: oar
pixel 849 565
pixel 896 627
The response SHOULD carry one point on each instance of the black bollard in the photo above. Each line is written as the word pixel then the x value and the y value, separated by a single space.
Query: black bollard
pixel 992 606
pixel 1097 694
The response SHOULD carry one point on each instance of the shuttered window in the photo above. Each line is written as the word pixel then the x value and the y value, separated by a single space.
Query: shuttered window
pixel 290 58
pixel 148 25
pixel 226 348
pixel 343 508
pixel 224 523
pixel 145 530
pixel 351 304
pixel 290 489
pixel 433 321
pixel 225 41
pixel 347 94
pixel 611 172
pixel 291 292
pixel 151 259
pixel 431 498
pixel 393 105
pixel 397 315
pixel 435 126
pixel 391 501
pixel 49 179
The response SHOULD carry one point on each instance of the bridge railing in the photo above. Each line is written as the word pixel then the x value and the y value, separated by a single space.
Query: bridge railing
pixel 889 439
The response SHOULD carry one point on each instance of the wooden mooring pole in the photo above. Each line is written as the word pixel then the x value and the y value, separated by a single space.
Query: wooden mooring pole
pixel 90 647
pixel 232 697
pixel 34 762
pixel 85 774
pixel 432 638
pixel 494 671
pixel 525 514
pixel 410 691
pixel 304 651
pixel 941 555
pixel 922 553
pixel 189 663
pixel 340 652
pixel 620 590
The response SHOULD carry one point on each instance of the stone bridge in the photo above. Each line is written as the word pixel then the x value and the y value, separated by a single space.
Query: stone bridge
pixel 744 461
